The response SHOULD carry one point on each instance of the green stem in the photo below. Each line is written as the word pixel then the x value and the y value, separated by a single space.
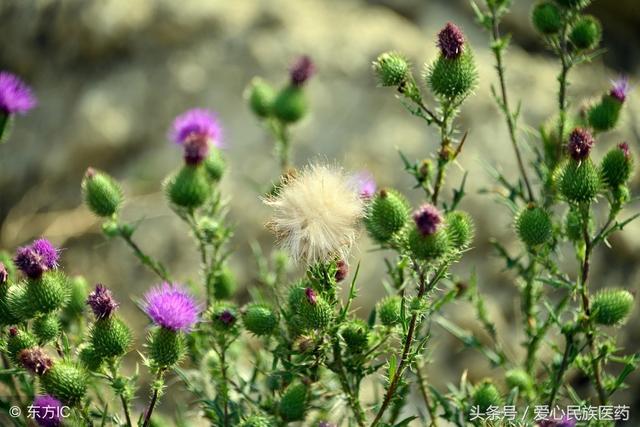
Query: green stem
pixel 564 365
pixel 444 156
pixel 154 399
pixel 425 396
pixel 562 92
pixel 352 396
pixel 123 398
pixel 151 263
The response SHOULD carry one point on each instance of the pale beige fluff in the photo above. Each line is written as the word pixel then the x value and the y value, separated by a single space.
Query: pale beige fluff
pixel 316 214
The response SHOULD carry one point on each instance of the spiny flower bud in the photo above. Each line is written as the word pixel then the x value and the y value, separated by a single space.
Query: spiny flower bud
pixel 224 317
pixel 386 215
pixel 301 70
pixel 519 378
pixel 604 115
pixel 392 69
pixel 430 246
pixel 48 293
pixel 314 311
pixel 166 347
pixel 290 104
pixel 620 89
pixel 256 421
pixel 356 335
pixel 579 181
pixel 586 33
pixel 46 328
pixel 19 340
pixel 261 97
pixel 215 165
pixel 611 306
pixel 546 17
pixel 293 403
pixel 89 358
pixel 260 319
pixel 485 395
pixel 36 258
pixel 110 337
pixel 533 225
pixel 453 79
pixel 460 229
pixel 101 193
pixel 389 310
pixel 48 411
pixel 617 166
pixel 77 298
pixel 102 302
pixel 580 143
pixel 35 359
pixel 189 188
pixel 223 283
pixel 18 306
pixel 66 381
pixel 428 219
pixel 451 41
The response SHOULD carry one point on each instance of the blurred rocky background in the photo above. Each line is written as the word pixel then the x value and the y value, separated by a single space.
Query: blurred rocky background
pixel 112 74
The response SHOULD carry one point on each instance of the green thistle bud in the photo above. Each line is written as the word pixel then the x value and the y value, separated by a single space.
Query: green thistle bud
pixel 102 194
pixel 428 247
pixel 19 340
pixel 533 225
pixel 611 306
pixel 18 308
pixel 519 378
pixel 49 292
pixel 89 359
pixel 296 297
pixel 574 4
pixel 46 328
pixel 291 104
pixel 256 421
pixel 604 115
pixel 66 381
pixel 77 297
pixel 261 97
pixel 486 394
pixel 453 79
pixel 110 337
pixel 215 165
pixel 579 181
pixel 166 347
pixel 224 316
pixel 189 188
pixel 617 166
pixel 293 403
pixel 389 310
pixel 314 311
pixel 386 215
pixel 223 283
pixel 460 229
pixel 546 17
pixel 356 335
pixel 391 68
pixel 586 33
pixel 260 319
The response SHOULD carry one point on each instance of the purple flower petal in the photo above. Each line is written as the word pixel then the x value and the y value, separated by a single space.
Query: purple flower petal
pixel 15 95
pixel 427 218
pixel 172 307
pixel 197 123
pixel 620 88
pixel 37 258
pixel 102 302
pixel 451 41
pixel 48 411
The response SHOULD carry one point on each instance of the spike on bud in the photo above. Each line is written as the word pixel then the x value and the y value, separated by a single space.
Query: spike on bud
pixel 451 41
pixel 302 70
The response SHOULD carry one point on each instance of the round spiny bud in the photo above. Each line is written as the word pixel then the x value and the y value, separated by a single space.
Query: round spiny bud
pixel 485 395
pixel 302 70
pixel 453 79
pixel 546 17
pixel 166 347
pixel 261 97
pixel 519 378
pixel 460 229
pixel 48 293
pixel 77 297
pixel 451 41
pixel 224 317
pixel 102 194
pixel 189 188
pixel 214 165
pixel 356 335
pixel 604 115
pixel 18 307
pixel 223 283
pixel 256 421
pixel 611 306
pixel 290 104
pixel 66 381
pixel 428 247
pixel 19 340
pixel 386 215
pixel 389 310
pixel 314 311
pixel 89 359
pixel 102 302
pixel 260 319
pixel 110 337
pixel 392 69
pixel 46 328
pixel 586 33
pixel 617 166
pixel 533 225
pixel 293 403
pixel 36 360
pixel 579 181
pixel 580 143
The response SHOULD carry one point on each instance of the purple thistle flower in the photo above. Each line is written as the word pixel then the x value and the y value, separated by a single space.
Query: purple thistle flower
pixel 624 147
pixel 427 218
pixel 36 258
pixel 326 424
pixel 195 129
pixel 102 302
pixel 35 360
pixel 4 274
pixel 451 41
pixel 15 95
pixel 302 70
pixel 227 317
pixel 365 184
pixel 565 421
pixel 620 88
pixel 172 307
pixel 48 411
pixel 311 296
pixel 13 331
pixel 580 143
pixel 342 270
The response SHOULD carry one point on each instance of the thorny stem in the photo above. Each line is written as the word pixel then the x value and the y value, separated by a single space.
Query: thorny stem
pixel 562 92
pixel 444 156
pixel 425 396
pixel 154 265
pixel 224 387
pixel 352 395
pixel 123 398
pixel 561 370
pixel 529 303
pixel 154 399
pixel 283 146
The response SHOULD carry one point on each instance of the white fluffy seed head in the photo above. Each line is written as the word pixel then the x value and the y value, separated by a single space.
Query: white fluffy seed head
pixel 316 214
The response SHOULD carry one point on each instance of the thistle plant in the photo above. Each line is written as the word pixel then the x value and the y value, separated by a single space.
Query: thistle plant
pixel 297 348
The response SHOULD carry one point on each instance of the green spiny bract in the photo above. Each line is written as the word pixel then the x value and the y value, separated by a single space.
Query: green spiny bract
pixel 214 165
pixel 46 328
pixel 389 310
pixel 586 33
pixel 259 319
pixel 534 226
pixel 19 340
pixel 519 378
pixel 89 359
pixel 78 292
pixel 616 166
pixel 453 79
pixel 546 17
pixel 66 381
pixel 356 335
pixel 604 115
pixel 485 395
pixel 391 68
pixel 223 283
pixel 611 306
pixel 293 403
pixel 579 182
pixel 428 247
pixel 102 194
pixel 18 308
pixel 166 347
pixel 386 215
pixel 261 97
pixel 110 337
pixel 315 315
pixel 256 421
pixel 189 188
pixel 290 104
pixel 460 229
pixel 49 292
